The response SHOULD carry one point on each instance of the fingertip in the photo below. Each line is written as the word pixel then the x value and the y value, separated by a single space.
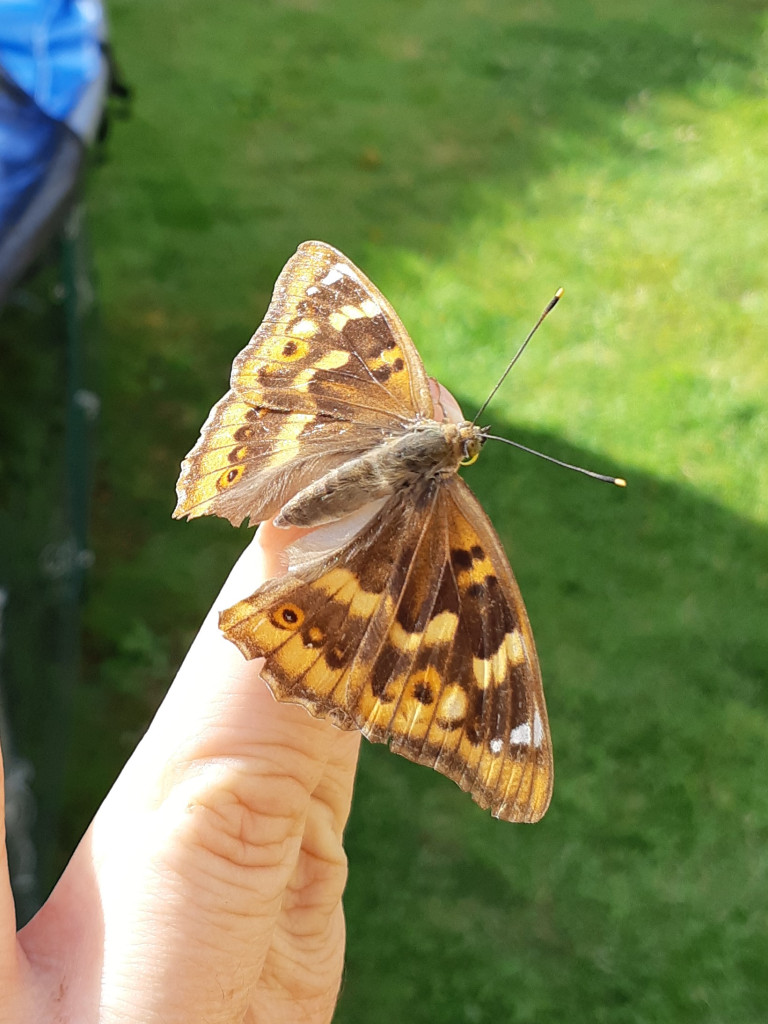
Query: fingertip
pixel 260 560
pixel 273 541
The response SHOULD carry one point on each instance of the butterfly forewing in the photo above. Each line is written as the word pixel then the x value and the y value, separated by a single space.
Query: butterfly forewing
pixel 428 649
pixel 331 342
pixel 412 631
pixel 326 375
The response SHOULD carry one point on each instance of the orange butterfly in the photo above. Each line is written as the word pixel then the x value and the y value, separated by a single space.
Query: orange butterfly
pixel 413 630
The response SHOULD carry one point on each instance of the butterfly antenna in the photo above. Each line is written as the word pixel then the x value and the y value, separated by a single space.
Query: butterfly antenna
pixel 551 305
pixel 617 480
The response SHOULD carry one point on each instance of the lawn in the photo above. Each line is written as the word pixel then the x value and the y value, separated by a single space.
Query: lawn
pixel 471 158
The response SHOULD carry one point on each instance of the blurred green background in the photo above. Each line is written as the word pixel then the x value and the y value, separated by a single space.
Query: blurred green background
pixel 472 157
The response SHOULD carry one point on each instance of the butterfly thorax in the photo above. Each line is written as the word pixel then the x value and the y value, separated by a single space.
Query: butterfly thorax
pixel 424 450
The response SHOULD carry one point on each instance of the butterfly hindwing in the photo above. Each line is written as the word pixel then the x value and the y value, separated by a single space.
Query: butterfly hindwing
pixel 250 460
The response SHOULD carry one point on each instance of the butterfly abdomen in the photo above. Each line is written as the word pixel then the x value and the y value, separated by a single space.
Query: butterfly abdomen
pixel 425 449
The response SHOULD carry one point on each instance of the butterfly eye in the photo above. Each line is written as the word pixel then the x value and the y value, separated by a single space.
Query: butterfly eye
pixel 287 616
pixel 471 445
pixel 230 477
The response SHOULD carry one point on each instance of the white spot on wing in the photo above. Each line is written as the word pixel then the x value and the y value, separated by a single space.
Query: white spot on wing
pixel 337 271
pixel 313 290
pixel 521 734
pixel 538 730
pixel 496 745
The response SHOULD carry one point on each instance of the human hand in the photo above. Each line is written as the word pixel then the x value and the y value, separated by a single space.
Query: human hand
pixel 208 887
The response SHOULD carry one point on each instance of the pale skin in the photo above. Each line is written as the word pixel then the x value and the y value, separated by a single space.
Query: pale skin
pixel 208 886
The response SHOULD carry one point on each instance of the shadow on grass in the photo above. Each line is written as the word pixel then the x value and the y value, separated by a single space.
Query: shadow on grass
pixel 641 894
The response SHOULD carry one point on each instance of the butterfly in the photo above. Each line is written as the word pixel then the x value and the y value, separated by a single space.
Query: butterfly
pixel 399 614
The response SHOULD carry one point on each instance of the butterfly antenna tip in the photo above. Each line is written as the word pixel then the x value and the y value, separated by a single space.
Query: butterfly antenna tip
pixel 550 306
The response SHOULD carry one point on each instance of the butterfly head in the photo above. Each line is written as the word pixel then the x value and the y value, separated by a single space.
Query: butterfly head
pixel 471 440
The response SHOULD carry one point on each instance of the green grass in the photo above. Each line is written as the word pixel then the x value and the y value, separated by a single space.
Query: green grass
pixel 472 158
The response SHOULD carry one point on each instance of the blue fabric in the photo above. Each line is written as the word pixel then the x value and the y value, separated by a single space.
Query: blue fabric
pixel 28 142
pixel 50 56
pixel 51 48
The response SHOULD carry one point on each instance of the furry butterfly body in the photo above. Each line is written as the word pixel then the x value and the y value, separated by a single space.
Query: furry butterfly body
pixel 412 629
